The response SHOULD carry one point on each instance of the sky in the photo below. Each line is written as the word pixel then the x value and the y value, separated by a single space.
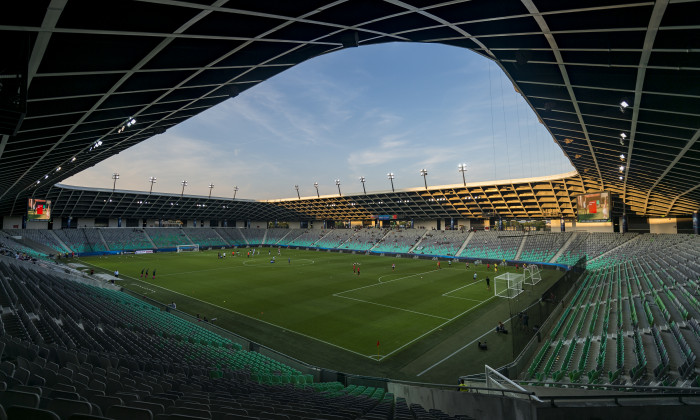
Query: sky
pixel 368 111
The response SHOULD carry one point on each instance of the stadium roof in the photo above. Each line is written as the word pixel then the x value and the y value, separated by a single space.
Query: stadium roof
pixel 541 197
pixel 74 72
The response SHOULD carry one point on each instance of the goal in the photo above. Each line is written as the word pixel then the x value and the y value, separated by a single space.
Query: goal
pixel 532 274
pixel 188 248
pixel 508 285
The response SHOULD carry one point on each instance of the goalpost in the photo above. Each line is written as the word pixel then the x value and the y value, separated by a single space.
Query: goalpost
pixel 187 248
pixel 532 274
pixel 508 285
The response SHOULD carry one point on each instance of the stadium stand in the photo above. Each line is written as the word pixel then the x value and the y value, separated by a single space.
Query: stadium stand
pixel 254 236
pixel 399 240
pixel 126 239
pixel 592 245
pixel 40 236
pixel 307 238
pixel 279 236
pixel 543 246
pixel 167 237
pixel 204 237
pixel 363 239
pixel 233 236
pixel 635 318
pixel 446 242
pixel 493 245
pixel 71 347
pixel 15 249
pixel 81 240
pixel 334 238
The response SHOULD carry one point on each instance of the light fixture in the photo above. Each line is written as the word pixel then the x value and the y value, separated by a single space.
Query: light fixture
pixel 73 159
pixel 153 181
pixel 235 190
pixel 424 173
pixel 184 184
pixel 390 175
pixel 58 169
pixel 621 177
pixel 46 177
pixel 462 167
pixel 362 180
pixel 115 177
pixel 623 105
pixel 622 168
pixel 622 156
pixel 337 182
pixel 623 135
pixel 316 186
pixel 296 187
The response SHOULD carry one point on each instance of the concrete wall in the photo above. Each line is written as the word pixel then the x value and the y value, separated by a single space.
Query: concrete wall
pixel 663 225
pixel 86 222
pixel 356 223
pixel 466 223
pixel 572 226
pixel 426 224
pixel 57 223
pixel 10 222
pixel 476 405
pixel 258 224
pixel 37 225
pixel 115 223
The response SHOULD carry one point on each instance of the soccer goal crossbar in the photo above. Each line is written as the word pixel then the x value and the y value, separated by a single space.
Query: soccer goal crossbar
pixel 187 248
pixel 508 285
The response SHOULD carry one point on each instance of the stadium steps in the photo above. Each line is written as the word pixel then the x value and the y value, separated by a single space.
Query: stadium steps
pixel 602 256
pixel 187 236
pixel 149 239
pixel 520 248
pixel 380 240
pixel 102 238
pixel 63 244
pixel 35 245
pixel 418 242
pixel 563 248
pixel 280 239
pixel 464 245
pixel 222 238
pixel 321 238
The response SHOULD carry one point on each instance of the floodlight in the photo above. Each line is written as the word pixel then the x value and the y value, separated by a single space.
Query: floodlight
pixel 337 182
pixel 462 167
pixel 316 186
pixel 622 156
pixel 623 136
pixel 58 169
pixel 622 168
pixel 73 159
pixel 424 173
pixel 362 180
pixel 621 177
pixel 390 175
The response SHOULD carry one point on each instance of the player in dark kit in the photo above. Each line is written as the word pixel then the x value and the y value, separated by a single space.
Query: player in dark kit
pixel 154 274
pixel 142 272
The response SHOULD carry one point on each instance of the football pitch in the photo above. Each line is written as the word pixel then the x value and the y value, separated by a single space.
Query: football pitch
pixel 317 294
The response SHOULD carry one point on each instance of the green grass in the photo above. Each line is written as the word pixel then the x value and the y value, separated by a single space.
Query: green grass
pixel 318 295
pixel 410 311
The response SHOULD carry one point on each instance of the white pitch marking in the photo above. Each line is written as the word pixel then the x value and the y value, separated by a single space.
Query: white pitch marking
pixel 389 306
pixel 439 326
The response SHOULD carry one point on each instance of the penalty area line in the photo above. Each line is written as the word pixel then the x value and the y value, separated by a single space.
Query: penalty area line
pixel 260 320
pixel 389 306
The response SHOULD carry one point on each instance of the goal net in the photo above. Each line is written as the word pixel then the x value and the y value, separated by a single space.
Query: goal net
pixel 188 248
pixel 508 285
pixel 532 274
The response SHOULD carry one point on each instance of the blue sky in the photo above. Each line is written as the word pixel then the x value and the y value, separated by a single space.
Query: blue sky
pixel 364 111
